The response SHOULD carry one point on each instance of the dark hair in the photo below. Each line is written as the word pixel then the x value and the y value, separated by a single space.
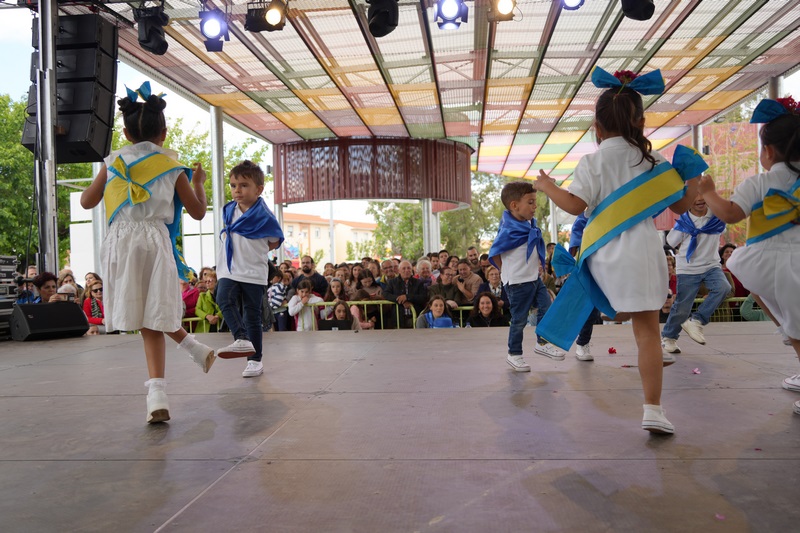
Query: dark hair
pixel 621 112
pixel 305 284
pixel 725 247
pixel 513 191
pixel 446 307
pixel 329 296
pixel 43 278
pixel 783 134
pixel 249 170
pixel 495 306
pixel 144 121
pixel 337 303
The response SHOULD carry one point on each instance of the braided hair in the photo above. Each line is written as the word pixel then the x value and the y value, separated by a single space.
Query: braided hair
pixel 783 134
pixel 144 120
pixel 621 111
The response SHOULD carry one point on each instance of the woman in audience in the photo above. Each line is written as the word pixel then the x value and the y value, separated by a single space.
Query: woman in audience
pixel 89 278
pixel 335 292
pixel 65 277
pixel 45 283
pixel 435 315
pixel 341 311
pixel 724 253
pixel 189 294
pixel 494 286
pixel 452 262
pixel 487 313
pixel 424 272
pixel 375 267
pixel 368 284
pixel 93 308
pixel 352 284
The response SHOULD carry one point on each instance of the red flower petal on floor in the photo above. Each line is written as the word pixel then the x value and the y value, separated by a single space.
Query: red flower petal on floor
pixel 612 350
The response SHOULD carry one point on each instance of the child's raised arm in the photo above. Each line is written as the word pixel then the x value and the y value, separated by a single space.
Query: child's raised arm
pixel 561 197
pixel 725 210
pixel 193 195
pixel 92 195
pixel 683 205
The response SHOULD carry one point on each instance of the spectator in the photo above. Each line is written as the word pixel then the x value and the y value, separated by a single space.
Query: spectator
pixel 739 291
pixel 335 292
pixel 408 292
pixel 365 261
pixel 189 294
pixel 93 308
pixel 435 315
pixel 25 291
pixel 388 273
pixel 368 284
pixel 45 283
pixel 751 311
pixel 304 314
pixel 68 293
pixel 31 272
pixel 352 282
pixel 447 289
pixel 452 262
pixel 473 259
pixel 434 260
pixel 485 264
pixel 89 278
pixel 424 273
pixel 368 317
pixel 278 294
pixel 495 287
pixel 318 282
pixel 207 307
pixel 66 277
pixel 467 281
pixel 341 311
pixel 487 313
pixel 673 276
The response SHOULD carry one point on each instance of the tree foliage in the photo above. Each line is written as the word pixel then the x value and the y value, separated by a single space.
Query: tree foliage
pixel 357 250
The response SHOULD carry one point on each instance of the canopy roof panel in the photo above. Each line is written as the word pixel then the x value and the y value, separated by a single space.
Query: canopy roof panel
pixel 517 92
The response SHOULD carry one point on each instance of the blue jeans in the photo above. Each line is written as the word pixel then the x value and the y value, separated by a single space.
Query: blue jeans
pixel 688 285
pixel 229 294
pixel 585 336
pixel 524 296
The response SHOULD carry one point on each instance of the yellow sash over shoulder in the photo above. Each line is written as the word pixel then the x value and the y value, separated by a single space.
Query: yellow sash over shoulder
pixel 128 183
pixel 779 211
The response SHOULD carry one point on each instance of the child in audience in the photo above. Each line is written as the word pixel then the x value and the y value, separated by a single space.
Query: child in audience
pixel 767 264
pixel 366 319
pixel 627 261
pixel 341 311
pixel 305 314
pixel 335 292
pixel 277 295
pixel 435 315
pixel 139 260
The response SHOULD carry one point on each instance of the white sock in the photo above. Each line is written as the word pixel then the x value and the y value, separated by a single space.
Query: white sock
pixel 188 342
pixel 653 407
pixel 156 383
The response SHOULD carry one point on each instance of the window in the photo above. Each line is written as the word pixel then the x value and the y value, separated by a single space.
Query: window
pixel 316 233
pixel 289 231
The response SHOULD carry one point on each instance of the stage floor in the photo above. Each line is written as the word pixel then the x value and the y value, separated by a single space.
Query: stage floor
pixel 399 431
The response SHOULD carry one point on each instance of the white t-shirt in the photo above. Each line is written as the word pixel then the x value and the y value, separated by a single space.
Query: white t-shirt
pixel 705 256
pixel 517 268
pixel 249 264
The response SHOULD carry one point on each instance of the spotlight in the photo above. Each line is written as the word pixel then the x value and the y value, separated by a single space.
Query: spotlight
pixel 449 14
pixel 382 17
pixel 502 10
pixel 214 28
pixel 638 9
pixel 572 5
pixel 266 16
pixel 151 21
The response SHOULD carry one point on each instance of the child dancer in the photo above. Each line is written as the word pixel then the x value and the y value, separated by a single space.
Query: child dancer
pixel 767 265
pixel 144 189
pixel 250 232
pixel 512 253
pixel 626 260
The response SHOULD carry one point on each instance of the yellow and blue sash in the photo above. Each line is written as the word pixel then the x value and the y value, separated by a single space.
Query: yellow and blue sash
pixel 646 196
pixel 778 212
pixel 128 185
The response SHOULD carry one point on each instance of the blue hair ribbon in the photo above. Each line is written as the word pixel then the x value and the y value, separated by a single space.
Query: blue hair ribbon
pixel 647 84
pixel 768 110
pixel 144 91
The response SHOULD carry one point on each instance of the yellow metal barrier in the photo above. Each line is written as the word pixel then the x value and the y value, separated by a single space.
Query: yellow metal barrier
pixel 364 304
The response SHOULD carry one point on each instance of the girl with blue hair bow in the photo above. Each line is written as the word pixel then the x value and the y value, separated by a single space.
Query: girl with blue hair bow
pixel 768 264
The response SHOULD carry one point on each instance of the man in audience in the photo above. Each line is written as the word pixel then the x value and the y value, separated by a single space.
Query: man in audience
pixel 309 272
pixel 444 255
pixel 388 273
pixel 473 259
pixel 485 264
pixel 467 281
pixel 408 292
pixel 447 289
pixel 433 257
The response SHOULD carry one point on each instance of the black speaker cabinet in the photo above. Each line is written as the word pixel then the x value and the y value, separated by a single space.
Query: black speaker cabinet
pixel 57 320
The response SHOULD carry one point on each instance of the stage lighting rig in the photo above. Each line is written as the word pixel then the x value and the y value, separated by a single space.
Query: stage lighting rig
pixel 214 27
pixel 382 17
pixel 449 14
pixel 266 16
pixel 151 22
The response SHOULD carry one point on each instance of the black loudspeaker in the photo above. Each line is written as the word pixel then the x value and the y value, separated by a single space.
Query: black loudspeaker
pixel 57 320
pixel 86 77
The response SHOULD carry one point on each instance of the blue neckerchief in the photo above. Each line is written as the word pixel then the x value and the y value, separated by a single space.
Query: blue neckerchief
pixel 441 322
pixel 684 224
pixel 258 222
pixel 514 233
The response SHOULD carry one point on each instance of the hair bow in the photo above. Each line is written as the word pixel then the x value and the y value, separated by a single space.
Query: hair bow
pixel 768 110
pixel 650 83
pixel 144 91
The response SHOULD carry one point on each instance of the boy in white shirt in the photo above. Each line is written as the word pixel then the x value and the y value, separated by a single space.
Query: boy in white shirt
pixel 306 320
pixel 251 231
pixel 518 252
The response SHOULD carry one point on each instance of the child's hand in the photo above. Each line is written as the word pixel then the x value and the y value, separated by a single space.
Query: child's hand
pixel 198 173
pixel 543 180
pixel 705 184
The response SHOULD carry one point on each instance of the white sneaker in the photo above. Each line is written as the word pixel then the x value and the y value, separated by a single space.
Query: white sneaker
pixel 670 345
pixel 518 363
pixel 253 369
pixel 203 356
pixel 694 329
pixel 655 420
pixel 784 337
pixel 584 353
pixel 667 358
pixel 792 383
pixel 797 408
pixel 548 350
pixel 239 348
pixel 157 403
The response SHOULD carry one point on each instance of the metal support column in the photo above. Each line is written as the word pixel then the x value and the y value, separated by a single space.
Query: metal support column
pixel 279 215
pixel 331 232
pixel 775 87
pixel 553 223
pixel 697 137
pixel 46 117
pixel 217 173
pixel 427 225
pixel 98 225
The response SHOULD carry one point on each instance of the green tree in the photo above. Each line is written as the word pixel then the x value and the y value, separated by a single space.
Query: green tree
pixel 399 226
pixel 477 225
pixel 355 251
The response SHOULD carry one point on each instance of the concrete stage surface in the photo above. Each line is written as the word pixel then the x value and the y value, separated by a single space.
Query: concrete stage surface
pixel 399 431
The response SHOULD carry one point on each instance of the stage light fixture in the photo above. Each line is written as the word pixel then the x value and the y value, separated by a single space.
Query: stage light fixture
pixel 449 14
pixel 638 9
pixel 502 10
pixel 266 16
pixel 572 5
pixel 382 17
pixel 214 28
pixel 151 21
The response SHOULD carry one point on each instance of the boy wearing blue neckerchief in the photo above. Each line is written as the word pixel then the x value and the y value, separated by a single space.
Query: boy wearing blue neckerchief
pixel 250 232
pixel 513 254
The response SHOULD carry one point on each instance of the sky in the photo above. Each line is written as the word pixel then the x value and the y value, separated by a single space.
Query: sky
pixel 15 35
